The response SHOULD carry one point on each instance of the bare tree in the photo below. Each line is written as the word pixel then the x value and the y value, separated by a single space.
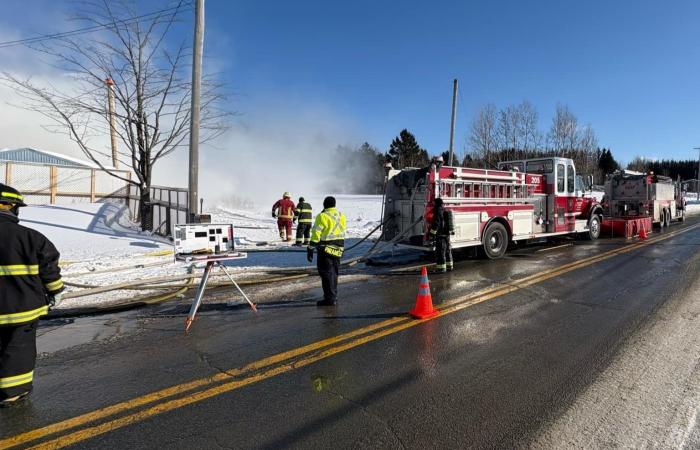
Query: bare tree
pixel 482 138
pixel 530 135
pixel 152 88
pixel 509 129
pixel 563 134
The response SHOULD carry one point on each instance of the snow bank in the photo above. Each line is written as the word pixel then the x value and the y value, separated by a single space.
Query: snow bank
pixel 100 246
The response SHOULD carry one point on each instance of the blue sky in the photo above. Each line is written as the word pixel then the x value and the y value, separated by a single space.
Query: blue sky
pixel 630 69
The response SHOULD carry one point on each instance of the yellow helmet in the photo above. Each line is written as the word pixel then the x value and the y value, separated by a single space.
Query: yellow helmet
pixel 287 194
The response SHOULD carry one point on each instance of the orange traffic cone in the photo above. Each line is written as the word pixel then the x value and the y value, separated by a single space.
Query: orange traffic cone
pixel 424 301
pixel 642 233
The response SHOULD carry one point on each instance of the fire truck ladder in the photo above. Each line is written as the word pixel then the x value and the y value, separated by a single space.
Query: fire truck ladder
pixel 491 188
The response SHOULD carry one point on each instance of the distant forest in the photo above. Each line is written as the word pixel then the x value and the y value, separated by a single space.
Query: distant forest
pixel 497 135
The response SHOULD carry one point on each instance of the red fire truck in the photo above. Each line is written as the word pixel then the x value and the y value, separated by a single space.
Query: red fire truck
pixel 632 194
pixel 526 199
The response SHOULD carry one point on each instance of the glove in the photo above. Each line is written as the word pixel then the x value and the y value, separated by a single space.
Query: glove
pixel 55 300
pixel 274 215
pixel 310 254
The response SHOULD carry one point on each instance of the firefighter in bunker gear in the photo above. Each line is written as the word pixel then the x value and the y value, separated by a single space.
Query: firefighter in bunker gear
pixel 328 238
pixel 303 216
pixel 441 229
pixel 29 280
pixel 283 210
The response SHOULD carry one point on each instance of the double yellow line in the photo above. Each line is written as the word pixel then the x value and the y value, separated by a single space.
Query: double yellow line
pixel 204 388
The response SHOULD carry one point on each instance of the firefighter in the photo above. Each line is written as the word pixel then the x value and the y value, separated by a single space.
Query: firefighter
pixel 440 231
pixel 283 210
pixel 30 281
pixel 328 238
pixel 303 216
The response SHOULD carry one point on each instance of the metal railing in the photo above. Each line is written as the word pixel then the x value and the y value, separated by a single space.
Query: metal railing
pixel 169 206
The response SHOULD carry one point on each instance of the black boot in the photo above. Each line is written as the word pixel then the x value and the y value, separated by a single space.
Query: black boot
pixel 325 302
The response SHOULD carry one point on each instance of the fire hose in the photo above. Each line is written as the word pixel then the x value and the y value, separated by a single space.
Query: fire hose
pixel 165 282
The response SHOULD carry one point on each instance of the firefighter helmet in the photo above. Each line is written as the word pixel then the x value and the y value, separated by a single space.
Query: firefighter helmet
pixel 10 196
pixel 301 199
pixel 287 195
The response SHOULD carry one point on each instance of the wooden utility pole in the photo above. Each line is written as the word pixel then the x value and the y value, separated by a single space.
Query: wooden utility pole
pixel 697 181
pixel 454 117
pixel 112 121
pixel 198 48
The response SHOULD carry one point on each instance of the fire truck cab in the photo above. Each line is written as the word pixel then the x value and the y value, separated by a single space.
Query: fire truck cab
pixel 524 199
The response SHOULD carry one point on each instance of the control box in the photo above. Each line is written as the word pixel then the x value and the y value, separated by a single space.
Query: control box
pixel 203 238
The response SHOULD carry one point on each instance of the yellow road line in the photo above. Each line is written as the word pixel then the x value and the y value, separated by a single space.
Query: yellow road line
pixel 185 387
pixel 399 325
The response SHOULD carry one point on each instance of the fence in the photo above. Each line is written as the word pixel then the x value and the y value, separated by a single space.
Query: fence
pixel 46 184
pixel 169 207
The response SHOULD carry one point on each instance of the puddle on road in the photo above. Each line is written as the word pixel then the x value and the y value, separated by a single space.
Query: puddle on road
pixel 60 334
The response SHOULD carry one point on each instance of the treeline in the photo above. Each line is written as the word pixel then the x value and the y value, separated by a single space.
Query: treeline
pixel 514 132
pixel 497 135
pixel 686 169
pixel 361 169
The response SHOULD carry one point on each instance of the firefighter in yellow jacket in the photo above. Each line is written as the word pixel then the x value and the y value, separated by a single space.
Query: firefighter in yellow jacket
pixel 30 280
pixel 328 238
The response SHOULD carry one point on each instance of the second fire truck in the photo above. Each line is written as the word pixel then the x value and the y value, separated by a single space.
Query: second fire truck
pixel 523 200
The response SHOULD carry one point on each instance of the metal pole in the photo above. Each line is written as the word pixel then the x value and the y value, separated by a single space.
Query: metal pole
pixel 697 180
pixel 454 116
pixel 112 121
pixel 198 47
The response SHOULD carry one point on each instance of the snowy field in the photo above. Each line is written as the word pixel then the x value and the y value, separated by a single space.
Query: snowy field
pixel 100 246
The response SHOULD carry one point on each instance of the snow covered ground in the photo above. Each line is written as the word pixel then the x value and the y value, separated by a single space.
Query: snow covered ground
pixel 100 246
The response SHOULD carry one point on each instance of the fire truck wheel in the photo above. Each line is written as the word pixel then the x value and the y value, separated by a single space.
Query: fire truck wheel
pixel 668 218
pixel 495 241
pixel 593 228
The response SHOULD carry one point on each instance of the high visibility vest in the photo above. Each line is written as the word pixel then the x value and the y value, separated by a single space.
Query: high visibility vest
pixel 328 232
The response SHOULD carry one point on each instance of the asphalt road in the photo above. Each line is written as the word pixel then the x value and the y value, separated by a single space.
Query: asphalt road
pixel 519 340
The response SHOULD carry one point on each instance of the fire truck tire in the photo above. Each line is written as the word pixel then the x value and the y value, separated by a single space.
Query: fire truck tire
pixel 593 228
pixel 664 218
pixel 495 240
pixel 668 218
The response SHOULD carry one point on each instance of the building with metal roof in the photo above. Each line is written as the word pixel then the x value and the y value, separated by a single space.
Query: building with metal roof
pixel 35 156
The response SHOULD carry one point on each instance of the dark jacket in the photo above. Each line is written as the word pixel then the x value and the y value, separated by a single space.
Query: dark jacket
pixel 29 272
pixel 303 212
pixel 443 223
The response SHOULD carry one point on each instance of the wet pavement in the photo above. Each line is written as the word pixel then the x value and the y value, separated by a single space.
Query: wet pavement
pixel 485 376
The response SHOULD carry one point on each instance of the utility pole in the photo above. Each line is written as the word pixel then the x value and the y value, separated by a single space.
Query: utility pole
pixel 112 121
pixel 198 48
pixel 454 116
pixel 697 181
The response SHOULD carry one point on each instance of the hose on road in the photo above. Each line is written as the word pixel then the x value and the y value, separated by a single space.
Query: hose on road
pixel 166 282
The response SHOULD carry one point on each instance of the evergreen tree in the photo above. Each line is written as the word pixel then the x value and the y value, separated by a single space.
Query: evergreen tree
pixel 404 152
pixel 606 162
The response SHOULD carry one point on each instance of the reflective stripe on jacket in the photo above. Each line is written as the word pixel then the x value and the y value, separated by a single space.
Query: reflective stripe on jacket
pixel 443 223
pixel 328 232
pixel 28 272
pixel 284 208
pixel 303 213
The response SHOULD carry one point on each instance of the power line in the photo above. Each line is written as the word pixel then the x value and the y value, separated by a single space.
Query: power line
pixel 86 30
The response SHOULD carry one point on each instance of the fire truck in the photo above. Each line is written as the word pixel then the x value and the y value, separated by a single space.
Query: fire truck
pixel 633 194
pixel 522 200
